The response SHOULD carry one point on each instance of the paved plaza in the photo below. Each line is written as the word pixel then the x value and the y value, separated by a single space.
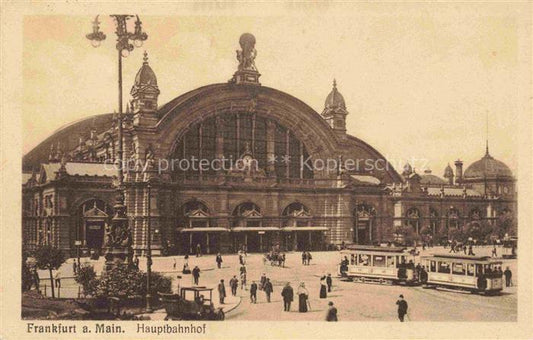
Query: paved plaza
pixel 354 301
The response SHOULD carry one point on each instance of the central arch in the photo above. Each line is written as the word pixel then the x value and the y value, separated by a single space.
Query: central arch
pixel 226 100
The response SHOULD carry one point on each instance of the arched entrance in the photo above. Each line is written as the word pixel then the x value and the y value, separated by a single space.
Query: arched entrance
pixel 299 234
pixel 196 230
pixel 94 216
pixel 364 222
pixel 248 229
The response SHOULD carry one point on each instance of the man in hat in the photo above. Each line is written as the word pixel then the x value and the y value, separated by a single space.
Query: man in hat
pixel 221 291
pixel 253 292
pixel 196 274
pixel 329 282
pixel 268 289
pixel 219 260
pixel 402 308
pixel 332 312
pixel 288 295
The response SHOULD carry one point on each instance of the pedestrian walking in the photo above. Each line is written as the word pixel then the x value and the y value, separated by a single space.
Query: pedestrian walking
pixel 242 269
pixel 268 289
pixel 234 283
pixel 74 267
pixel 309 257
pixel 283 260
pixel 186 269
pixel 219 260
pixel 323 289
pixel 304 258
pixel 329 282
pixel 198 250
pixel 494 253
pixel 243 280
pixel 36 279
pixel 136 261
pixel 288 296
pixel 174 265
pixel 332 312
pixel 262 282
pixel 57 278
pixel 221 291
pixel 303 296
pixel 253 292
pixel 471 250
pixel 464 249
pixel 508 277
pixel 196 274
pixel 241 257
pixel 402 308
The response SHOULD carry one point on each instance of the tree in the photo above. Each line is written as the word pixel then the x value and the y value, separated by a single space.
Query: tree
pixel 124 281
pixel 86 277
pixel 27 278
pixel 51 258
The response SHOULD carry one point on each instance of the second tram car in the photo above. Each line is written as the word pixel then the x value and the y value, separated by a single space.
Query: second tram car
pixel 473 273
pixel 377 264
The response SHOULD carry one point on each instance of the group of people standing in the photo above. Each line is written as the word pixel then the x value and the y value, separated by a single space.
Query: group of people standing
pixel 306 258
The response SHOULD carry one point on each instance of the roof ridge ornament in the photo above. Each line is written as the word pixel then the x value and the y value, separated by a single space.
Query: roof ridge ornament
pixel 145 58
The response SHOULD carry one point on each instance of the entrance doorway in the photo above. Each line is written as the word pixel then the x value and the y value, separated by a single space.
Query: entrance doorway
pixel 94 216
pixel 255 241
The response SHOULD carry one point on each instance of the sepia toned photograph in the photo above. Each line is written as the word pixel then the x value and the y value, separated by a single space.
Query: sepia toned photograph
pixel 328 165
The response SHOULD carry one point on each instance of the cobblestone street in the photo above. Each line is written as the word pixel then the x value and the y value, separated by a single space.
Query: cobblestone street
pixel 354 301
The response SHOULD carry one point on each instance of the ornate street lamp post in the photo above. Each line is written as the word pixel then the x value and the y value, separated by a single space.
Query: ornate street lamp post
pixel 149 250
pixel 118 236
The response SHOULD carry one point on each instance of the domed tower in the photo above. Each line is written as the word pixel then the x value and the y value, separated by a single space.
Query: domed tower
pixel 335 111
pixel 145 92
pixel 448 174
pixel 490 176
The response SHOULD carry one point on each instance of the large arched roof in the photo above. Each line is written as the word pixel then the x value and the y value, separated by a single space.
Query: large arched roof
pixel 218 99
pixel 68 137
pixel 176 116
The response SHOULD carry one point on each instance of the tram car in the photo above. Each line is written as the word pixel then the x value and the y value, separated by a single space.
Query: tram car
pixel 385 265
pixel 477 274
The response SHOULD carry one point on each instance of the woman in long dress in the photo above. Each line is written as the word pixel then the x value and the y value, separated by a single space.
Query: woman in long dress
pixel 323 288
pixel 303 295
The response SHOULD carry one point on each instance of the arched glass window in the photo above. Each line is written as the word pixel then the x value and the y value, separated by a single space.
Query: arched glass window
pixel 453 218
pixel 274 147
pixel 194 214
pixel 413 219
pixel 247 214
pixel 296 215
pixel 433 220
pixel 475 214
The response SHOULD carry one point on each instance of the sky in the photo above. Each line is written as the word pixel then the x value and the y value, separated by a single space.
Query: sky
pixel 417 84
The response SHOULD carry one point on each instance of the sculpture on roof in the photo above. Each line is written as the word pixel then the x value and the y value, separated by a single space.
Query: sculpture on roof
pixel 246 56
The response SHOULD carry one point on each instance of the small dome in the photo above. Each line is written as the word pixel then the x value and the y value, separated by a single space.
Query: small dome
pixel 430 179
pixel 488 167
pixel 146 75
pixel 335 100
pixel 448 172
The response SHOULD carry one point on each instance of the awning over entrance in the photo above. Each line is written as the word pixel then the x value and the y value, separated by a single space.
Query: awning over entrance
pixel 305 229
pixel 256 229
pixel 202 229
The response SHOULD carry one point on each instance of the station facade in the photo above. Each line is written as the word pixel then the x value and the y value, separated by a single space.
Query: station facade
pixel 275 174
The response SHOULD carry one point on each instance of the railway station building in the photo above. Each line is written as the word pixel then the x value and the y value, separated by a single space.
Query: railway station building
pixel 279 175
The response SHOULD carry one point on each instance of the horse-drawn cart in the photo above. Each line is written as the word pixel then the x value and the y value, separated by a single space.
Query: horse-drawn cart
pixel 275 258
